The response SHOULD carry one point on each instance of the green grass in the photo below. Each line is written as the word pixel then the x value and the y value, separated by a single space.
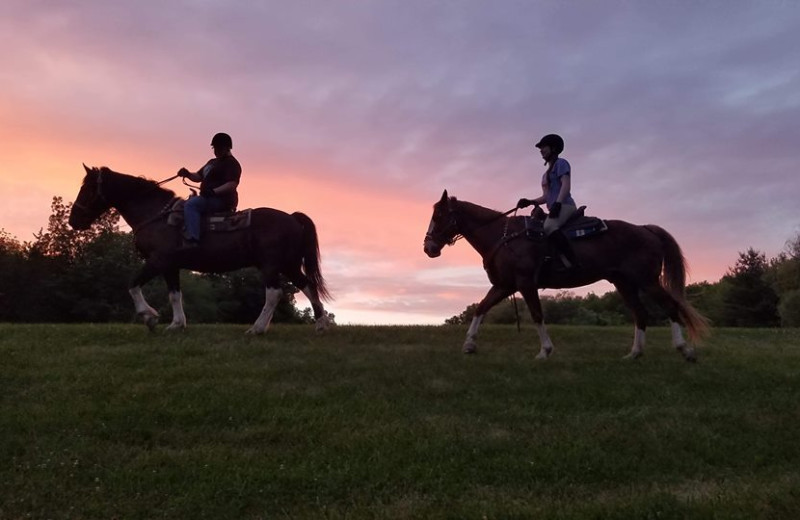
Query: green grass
pixel 107 421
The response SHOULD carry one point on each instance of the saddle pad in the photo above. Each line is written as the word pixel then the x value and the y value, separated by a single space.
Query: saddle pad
pixel 219 222
pixel 231 222
pixel 583 226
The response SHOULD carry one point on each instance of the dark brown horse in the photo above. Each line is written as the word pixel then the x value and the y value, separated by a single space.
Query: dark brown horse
pixel 636 259
pixel 275 242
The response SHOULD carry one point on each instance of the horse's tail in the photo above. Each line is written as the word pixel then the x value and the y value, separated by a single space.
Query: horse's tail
pixel 311 259
pixel 673 280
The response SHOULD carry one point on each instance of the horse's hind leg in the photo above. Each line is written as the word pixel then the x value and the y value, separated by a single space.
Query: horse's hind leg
pixel 493 297
pixel 630 294
pixel 172 277
pixel 531 296
pixel 667 302
pixel 321 319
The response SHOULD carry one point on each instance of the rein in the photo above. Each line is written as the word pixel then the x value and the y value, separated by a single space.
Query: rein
pixel 164 211
pixel 167 180
pixel 458 236
pixel 504 240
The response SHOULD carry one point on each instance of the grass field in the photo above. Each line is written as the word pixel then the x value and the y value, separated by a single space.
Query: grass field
pixel 106 421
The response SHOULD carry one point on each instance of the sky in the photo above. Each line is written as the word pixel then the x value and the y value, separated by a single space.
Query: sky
pixel 360 113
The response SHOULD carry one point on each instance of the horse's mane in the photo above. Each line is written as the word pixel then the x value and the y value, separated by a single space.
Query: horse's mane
pixel 129 185
pixel 478 212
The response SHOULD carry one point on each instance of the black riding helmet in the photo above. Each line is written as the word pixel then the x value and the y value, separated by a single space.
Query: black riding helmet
pixel 554 141
pixel 222 140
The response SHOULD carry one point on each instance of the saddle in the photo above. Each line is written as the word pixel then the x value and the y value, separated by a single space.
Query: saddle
pixel 578 225
pixel 215 222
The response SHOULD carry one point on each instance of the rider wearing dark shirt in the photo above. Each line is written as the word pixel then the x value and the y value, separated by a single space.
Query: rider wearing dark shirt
pixel 218 180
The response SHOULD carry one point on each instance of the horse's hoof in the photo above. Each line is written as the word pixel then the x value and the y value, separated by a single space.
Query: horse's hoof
pixel 687 352
pixel 151 322
pixel 470 347
pixel 252 331
pixel 633 355
pixel 543 354
pixel 180 327
pixel 323 323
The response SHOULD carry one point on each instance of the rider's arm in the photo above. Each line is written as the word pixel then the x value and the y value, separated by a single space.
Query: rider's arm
pixel 192 176
pixel 565 187
pixel 541 200
pixel 228 187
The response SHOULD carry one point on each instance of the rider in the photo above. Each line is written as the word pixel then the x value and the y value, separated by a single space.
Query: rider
pixel 556 185
pixel 218 180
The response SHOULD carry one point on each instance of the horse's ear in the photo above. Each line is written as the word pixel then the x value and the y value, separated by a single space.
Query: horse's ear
pixel 444 196
pixel 86 168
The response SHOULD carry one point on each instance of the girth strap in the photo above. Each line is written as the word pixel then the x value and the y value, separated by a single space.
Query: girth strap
pixel 503 241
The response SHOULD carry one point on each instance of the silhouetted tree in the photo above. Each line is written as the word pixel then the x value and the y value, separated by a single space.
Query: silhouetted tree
pixel 61 241
pixel 789 309
pixel 747 298
pixel 784 276
pixel 12 265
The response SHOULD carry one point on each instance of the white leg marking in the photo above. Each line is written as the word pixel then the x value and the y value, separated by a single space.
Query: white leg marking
pixel 149 315
pixel 680 345
pixel 178 317
pixel 140 303
pixel 677 335
pixel 273 296
pixel 470 344
pixel 544 340
pixel 638 344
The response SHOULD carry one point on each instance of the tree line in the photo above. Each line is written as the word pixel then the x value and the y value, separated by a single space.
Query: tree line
pixel 65 276
pixel 754 292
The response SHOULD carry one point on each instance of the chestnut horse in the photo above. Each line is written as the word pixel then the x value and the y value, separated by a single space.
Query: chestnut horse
pixel 635 259
pixel 275 242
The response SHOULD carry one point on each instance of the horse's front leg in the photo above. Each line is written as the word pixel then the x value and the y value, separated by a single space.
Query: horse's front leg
pixel 272 293
pixel 495 295
pixel 531 295
pixel 173 279
pixel 148 314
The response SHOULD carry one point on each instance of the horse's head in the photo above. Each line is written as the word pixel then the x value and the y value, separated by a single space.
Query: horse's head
pixel 90 203
pixel 443 228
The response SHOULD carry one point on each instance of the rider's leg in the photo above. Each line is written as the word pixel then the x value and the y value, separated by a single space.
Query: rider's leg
pixel 193 214
pixel 552 228
pixel 560 240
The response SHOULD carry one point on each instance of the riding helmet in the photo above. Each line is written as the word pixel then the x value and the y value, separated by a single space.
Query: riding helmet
pixel 554 141
pixel 222 140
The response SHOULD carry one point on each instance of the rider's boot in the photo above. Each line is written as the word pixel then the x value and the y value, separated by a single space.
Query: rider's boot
pixel 564 248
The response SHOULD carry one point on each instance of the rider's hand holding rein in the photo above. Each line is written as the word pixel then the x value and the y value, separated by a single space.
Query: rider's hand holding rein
pixel 192 176
pixel 524 203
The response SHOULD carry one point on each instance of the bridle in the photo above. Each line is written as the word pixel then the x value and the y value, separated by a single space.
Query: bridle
pixel 457 234
pixel 453 223
pixel 98 195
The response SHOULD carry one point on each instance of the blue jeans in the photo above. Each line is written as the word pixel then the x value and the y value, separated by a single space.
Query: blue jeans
pixel 193 212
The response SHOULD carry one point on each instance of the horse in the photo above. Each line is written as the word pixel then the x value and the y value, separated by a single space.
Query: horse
pixel 275 242
pixel 636 259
